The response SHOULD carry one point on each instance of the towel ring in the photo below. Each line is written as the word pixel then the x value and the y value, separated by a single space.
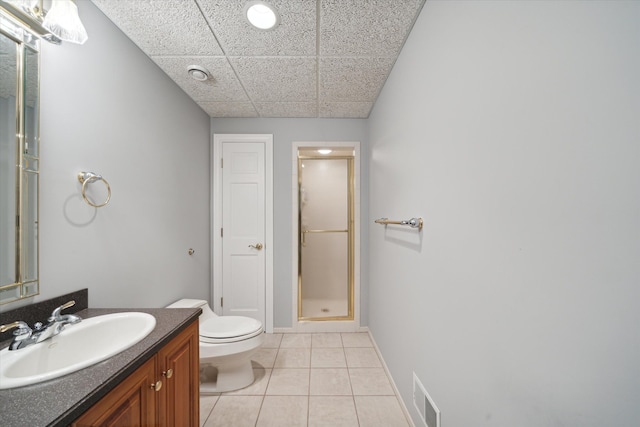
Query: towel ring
pixel 89 177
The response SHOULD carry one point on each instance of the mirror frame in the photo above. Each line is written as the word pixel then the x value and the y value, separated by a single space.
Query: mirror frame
pixel 27 256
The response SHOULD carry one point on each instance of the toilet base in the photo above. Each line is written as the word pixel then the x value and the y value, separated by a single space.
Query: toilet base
pixel 225 377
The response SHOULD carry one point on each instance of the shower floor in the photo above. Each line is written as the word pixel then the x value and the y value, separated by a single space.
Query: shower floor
pixel 319 307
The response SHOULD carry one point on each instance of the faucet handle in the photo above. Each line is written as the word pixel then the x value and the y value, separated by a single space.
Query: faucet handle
pixel 55 315
pixel 21 328
pixel 22 334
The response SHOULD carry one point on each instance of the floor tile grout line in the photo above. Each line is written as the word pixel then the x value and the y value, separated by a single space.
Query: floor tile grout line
pixel 259 411
pixel 355 408
pixel 217 396
pixel 309 398
pixel 349 369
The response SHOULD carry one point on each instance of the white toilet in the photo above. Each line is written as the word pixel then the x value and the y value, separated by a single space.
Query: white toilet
pixel 226 346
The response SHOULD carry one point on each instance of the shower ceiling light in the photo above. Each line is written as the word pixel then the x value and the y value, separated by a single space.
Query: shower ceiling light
pixel 262 15
pixel 324 151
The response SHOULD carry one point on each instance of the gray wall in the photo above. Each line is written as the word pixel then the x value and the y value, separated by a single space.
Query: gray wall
pixel 107 108
pixel 513 129
pixel 285 132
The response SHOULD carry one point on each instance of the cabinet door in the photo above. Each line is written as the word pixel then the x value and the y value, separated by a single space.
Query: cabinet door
pixel 178 362
pixel 131 403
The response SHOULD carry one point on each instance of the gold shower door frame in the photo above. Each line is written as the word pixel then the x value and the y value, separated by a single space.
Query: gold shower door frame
pixel 349 231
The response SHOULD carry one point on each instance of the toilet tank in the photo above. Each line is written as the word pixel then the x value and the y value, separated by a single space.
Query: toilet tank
pixel 188 303
pixel 207 313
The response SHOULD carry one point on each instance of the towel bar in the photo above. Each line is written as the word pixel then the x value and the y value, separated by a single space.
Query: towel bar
pixel 413 222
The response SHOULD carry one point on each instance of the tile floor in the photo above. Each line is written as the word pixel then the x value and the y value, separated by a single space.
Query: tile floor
pixel 328 379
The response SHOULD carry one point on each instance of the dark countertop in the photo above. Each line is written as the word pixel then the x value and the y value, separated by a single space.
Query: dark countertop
pixel 60 401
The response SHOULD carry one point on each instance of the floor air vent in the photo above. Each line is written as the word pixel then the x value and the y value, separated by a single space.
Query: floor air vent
pixel 427 409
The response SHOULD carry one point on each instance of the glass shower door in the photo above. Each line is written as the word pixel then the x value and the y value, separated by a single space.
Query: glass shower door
pixel 325 279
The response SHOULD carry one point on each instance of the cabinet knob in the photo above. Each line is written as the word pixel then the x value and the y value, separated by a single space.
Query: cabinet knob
pixel 168 373
pixel 156 386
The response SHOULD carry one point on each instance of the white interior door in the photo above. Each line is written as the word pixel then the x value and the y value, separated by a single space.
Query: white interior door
pixel 242 211
pixel 243 229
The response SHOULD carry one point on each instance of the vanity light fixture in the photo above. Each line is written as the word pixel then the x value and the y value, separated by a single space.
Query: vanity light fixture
pixel 60 22
pixel 261 15
pixel 64 22
pixel 198 73
pixel 325 151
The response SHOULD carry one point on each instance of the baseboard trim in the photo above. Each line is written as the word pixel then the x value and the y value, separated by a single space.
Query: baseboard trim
pixel 328 328
pixel 393 383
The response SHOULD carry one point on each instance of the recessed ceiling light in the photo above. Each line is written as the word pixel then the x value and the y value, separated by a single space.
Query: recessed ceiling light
pixel 324 151
pixel 262 15
pixel 198 73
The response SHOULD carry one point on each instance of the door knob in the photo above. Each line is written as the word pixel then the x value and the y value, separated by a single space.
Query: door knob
pixel 257 246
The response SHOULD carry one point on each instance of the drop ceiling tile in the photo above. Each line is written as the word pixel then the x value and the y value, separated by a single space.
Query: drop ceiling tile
pixel 335 52
pixel 228 109
pixel 295 36
pixel 162 27
pixel 223 87
pixel 276 78
pixel 352 110
pixel 353 79
pixel 365 27
pixel 287 109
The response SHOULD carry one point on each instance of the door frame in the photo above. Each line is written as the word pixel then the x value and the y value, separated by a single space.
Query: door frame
pixel 216 218
pixel 326 325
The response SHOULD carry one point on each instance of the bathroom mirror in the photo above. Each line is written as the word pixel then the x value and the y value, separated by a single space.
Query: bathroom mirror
pixel 19 161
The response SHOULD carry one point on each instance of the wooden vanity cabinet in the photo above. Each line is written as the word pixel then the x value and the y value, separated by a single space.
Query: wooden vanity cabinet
pixel 131 403
pixel 162 392
pixel 179 367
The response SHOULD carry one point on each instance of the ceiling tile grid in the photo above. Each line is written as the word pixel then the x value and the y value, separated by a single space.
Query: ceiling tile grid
pixel 327 58
pixel 229 109
pixel 343 110
pixel 365 27
pixel 353 79
pixel 287 109
pixel 277 78
pixel 163 27
pixel 223 86
pixel 295 36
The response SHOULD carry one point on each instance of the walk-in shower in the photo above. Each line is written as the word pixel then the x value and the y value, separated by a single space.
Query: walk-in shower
pixel 326 233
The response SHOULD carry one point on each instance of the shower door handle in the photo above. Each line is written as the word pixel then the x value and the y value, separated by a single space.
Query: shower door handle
pixel 257 246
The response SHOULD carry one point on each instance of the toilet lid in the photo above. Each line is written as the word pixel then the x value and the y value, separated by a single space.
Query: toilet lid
pixel 222 327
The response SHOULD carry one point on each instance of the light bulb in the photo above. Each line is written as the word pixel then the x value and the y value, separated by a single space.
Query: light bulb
pixel 64 22
pixel 262 15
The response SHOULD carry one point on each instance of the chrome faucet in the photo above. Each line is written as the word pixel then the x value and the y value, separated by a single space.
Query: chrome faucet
pixel 24 336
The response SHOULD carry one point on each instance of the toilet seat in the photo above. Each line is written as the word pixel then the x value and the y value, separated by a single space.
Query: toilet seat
pixel 226 329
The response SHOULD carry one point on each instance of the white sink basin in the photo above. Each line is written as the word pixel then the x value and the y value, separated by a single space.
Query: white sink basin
pixel 77 346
